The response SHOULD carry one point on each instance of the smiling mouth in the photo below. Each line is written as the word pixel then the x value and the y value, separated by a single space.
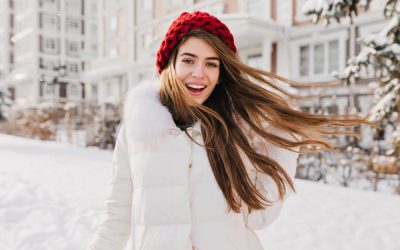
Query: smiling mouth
pixel 195 90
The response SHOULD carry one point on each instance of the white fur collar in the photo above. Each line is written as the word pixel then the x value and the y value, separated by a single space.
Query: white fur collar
pixel 145 118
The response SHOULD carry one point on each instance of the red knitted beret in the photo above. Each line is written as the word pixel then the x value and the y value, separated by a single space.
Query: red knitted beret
pixel 185 23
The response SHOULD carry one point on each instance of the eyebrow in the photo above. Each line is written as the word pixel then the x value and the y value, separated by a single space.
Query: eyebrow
pixel 195 56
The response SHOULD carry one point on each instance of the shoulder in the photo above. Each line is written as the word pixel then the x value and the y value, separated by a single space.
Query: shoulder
pixel 147 91
pixel 145 118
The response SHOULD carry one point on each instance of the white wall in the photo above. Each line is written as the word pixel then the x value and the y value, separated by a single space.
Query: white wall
pixel 284 12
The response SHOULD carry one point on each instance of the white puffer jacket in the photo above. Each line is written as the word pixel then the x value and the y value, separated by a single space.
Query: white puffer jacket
pixel 158 202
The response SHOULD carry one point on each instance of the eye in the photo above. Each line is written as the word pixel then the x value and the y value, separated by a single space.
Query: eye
pixel 187 61
pixel 212 65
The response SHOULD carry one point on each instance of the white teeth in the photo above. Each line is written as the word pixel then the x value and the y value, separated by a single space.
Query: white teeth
pixel 196 86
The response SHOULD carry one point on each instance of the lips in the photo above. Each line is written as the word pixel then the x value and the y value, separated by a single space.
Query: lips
pixel 195 89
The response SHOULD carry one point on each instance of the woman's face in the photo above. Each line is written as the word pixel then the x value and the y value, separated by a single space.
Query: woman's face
pixel 197 66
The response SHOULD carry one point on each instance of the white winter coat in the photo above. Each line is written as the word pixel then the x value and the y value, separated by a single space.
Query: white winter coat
pixel 158 202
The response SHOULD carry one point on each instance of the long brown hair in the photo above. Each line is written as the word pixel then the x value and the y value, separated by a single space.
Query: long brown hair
pixel 241 100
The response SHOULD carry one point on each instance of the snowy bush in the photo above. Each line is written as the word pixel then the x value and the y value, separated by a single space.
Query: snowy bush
pixel 33 122
pixel 99 123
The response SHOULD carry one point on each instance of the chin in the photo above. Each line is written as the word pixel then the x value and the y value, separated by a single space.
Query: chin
pixel 198 103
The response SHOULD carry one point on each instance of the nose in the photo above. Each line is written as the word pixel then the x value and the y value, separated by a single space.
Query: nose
pixel 198 71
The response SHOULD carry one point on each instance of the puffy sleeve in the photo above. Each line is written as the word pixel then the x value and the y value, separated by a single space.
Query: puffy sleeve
pixel 114 230
pixel 287 159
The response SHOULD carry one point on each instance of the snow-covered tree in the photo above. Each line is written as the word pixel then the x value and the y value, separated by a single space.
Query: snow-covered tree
pixel 5 103
pixel 105 120
pixel 381 51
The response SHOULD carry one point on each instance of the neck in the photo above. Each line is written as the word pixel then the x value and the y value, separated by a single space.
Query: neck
pixel 180 122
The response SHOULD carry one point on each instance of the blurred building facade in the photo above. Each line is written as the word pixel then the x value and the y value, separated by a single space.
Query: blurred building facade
pixel 95 50
pixel 269 34
pixel 7 51
pixel 48 43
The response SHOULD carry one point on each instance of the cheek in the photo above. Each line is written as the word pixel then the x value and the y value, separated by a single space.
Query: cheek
pixel 181 71
pixel 214 77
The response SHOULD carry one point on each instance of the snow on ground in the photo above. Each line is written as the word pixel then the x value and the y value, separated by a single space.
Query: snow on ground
pixel 52 195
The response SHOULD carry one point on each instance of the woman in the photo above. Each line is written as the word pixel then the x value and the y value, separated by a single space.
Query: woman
pixel 205 156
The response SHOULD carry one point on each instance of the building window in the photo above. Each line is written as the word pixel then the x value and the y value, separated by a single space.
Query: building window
pixel 93 90
pixel 73 68
pixel 304 60
pixel 74 7
pixel 333 55
pixel 146 40
pixel 49 90
pixel 73 91
pixel 49 4
pixel 49 45
pixel 48 21
pixel 74 26
pixel 93 30
pixel 319 58
pixel 332 109
pixel 11 20
pixel 73 48
pixel 11 58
